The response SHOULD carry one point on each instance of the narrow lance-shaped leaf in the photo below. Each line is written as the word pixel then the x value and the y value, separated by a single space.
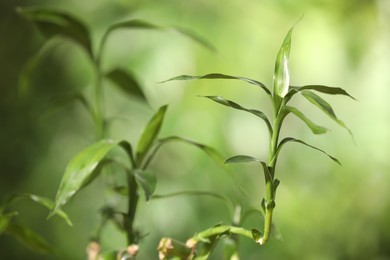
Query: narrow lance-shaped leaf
pixel 47 203
pixel 126 82
pixel 66 99
pixel 81 170
pixel 221 76
pixel 5 220
pixel 325 107
pixel 29 238
pixel 140 24
pixel 246 159
pixel 316 129
pixel 190 193
pixel 234 105
pixel 290 139
pixel 320 88
pixel 149 135
pixel 209 150
pixel 281 79
pixel 25 76
pixel 147 180
pixel 52 23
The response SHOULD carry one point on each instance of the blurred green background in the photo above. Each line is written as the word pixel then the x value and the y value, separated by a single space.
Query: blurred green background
pixel 323 211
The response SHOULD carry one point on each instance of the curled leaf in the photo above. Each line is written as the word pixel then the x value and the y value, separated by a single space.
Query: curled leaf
pixel 245 159
pixel 281 79
pixel 319 88
pixel 325 107
pixel 221 76
pixel 316 129
pixel 290 139
pixel 52 23
pixel 234 105
pixel 209 150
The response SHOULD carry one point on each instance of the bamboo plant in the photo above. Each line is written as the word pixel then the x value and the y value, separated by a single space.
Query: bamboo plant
pixel 57 26
pixel 280 94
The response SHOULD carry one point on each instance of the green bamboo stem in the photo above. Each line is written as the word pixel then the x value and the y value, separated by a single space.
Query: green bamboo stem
pixel 132 208
pixel 269 202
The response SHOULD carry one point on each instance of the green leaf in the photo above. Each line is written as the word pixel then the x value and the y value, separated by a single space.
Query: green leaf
pixel 140 24
pixel 126 146
pixel 126 82
pixel 220 76
pixel 149 134
pixel 47 203
pixel 320 88
pixel 81 170
pixel 24 80
pixel 56 23
pixel 234 105
pixel 281 79
pixel 66 99
pixel 245 159
pixel 5 219
pixel 147 180
pixel 29 238
pixel 290 139
pixel 316 129
pixel 207 149
pixel 241 159
pixel 325 107
pixel 195 37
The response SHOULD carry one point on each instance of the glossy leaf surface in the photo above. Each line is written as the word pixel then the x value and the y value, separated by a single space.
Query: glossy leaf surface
pixel 53 23
pixel 126 82
pixel 149 134
pixel 29 238
pixel 281 80
pixel 316 129
pixel 324 106
pixel 234 105
pixel 81 170
pixel 221 76
pixel 290 139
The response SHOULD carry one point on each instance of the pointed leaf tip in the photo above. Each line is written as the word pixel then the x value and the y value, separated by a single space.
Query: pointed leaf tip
pixel 126 82
pixel 81 171
pixel 150 134
pixel 281 80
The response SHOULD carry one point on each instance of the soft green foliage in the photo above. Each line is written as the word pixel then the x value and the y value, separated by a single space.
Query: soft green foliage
pixel 82 170
pixel 24 234
pixel 149 135
pixel 89 164
pixel 280 95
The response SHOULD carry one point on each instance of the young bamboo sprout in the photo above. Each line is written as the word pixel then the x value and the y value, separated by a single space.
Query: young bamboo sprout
pixel 281 94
